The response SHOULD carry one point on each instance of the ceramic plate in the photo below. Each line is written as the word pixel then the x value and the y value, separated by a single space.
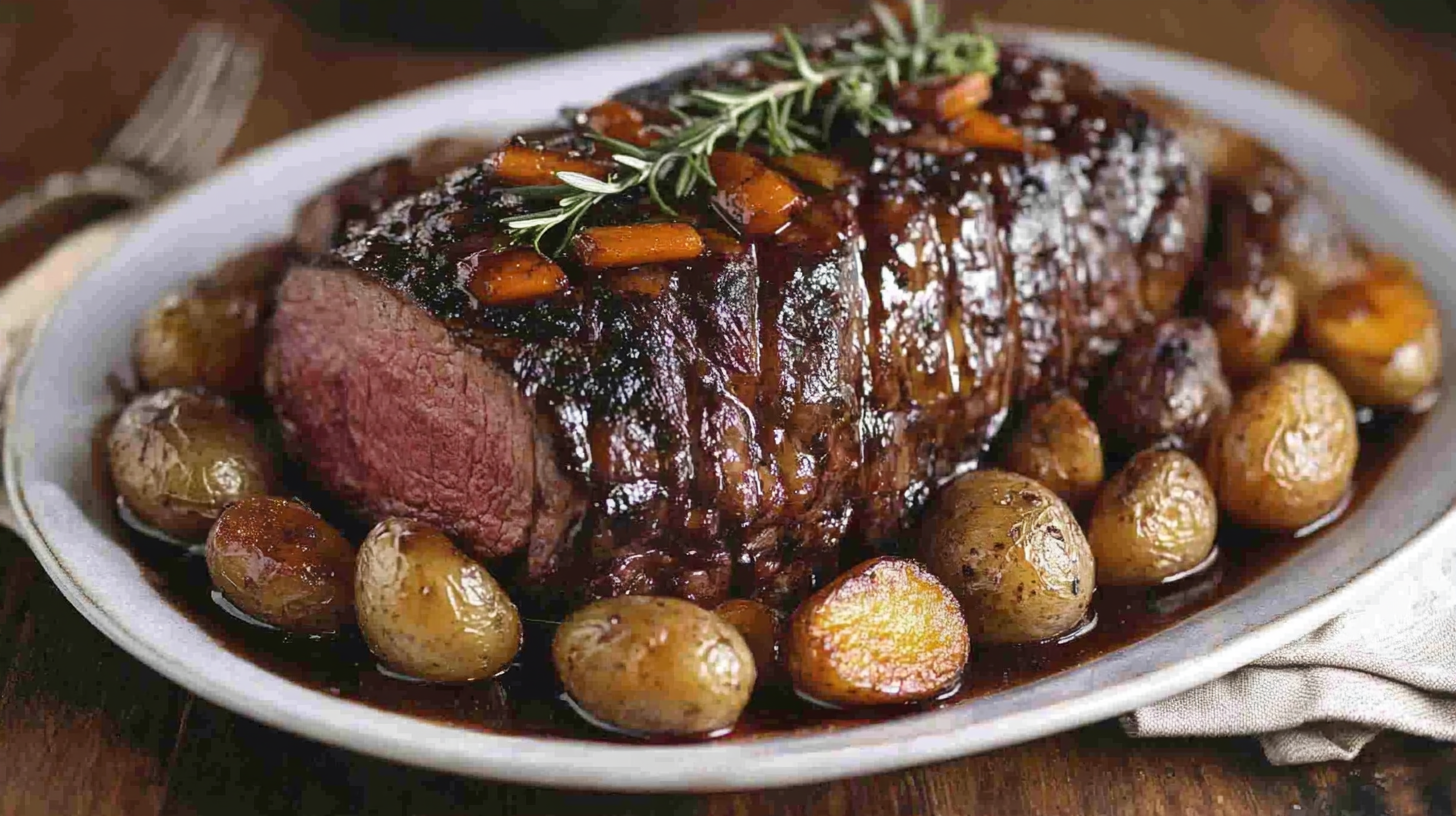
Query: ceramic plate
pixel 62 391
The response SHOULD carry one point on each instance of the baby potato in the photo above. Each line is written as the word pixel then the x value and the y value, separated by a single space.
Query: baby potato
pixel 1285 455
pixel 1058 445
pixel 649 665
pixel 1254 321
pixel 209 337
pixel 429 611
pixel 1012 553
pixel 1156 518
pixel 259 268
pixel 178 457
pixel 884 632
pixel 1226 152
pixel 760 627
pixel 278 561
pixel 1165 389
pixel 1380 336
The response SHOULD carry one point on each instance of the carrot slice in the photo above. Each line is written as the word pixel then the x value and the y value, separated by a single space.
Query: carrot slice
pixel 650 280
pixel 620 121
pixel 981 129
pixel 512 277
pixel 814 168
pixel 945 100
pixel 516 164
pixel 612 247
pixel 758 200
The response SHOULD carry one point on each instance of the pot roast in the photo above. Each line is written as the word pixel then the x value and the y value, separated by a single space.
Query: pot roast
pixel 723 426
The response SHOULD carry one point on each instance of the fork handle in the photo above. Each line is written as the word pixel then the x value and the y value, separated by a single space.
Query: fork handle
pixel 96 181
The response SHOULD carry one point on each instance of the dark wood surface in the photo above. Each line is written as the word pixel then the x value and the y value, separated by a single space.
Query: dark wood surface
pixel 85 729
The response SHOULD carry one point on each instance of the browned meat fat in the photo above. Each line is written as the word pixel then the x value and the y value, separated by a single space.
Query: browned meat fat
pixel 716 427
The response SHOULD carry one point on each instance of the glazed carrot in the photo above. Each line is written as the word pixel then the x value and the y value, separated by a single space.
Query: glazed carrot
pixel 620 121
pixel 650 280
pixel 981 129
pixel 516 164
pixel 945 100
pixel 512 277
pixel 814 168
pixel 758 200
pixel 610 247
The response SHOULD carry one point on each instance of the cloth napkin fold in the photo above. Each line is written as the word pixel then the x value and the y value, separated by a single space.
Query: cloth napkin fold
pixel 1389 663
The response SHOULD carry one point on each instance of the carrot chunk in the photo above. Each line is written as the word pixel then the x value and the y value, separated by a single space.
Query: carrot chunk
pixel 512 277
pixel 758 200
pixel 814 168
pixel 515 164
pixel 612 247
pixel 650 280
pixel 945 100
pixel 620 121
pixel 981 129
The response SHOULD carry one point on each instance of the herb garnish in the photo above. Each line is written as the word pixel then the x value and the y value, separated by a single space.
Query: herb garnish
pixel 786 116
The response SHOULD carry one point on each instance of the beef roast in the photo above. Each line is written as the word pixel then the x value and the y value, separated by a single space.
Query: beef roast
pixel 718 427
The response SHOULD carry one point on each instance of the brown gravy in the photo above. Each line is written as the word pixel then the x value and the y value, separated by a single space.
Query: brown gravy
pixel 526 699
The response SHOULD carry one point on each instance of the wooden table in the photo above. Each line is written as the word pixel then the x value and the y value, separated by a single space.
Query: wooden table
pixel 86 729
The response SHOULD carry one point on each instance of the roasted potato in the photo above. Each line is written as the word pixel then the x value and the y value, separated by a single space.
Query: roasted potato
pixel 178 457
pixel 429 611
pixel 1254 320
pixel 646 665
pixel 1380 335
pixel 1285 455
pixel 1013 554
pixel 1226 153
pixel 1165 390
pixel 886 631
pixel 259 268
pixel 209 337
pixel 1058 445
pixel 1156 518
pixel 278 561
pixel 761 628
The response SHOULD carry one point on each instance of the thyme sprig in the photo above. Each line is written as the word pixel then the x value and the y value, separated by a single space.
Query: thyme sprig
pixel 790 115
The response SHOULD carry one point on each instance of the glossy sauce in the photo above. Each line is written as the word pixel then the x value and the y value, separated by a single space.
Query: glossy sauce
pixel 526 699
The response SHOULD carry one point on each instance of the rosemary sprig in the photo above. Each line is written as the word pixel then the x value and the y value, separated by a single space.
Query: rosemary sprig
pixel 787 116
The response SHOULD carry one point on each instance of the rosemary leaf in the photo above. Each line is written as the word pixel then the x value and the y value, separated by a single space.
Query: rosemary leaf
pixel 797 112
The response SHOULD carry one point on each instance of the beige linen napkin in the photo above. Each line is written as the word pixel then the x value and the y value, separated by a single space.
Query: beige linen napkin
pixel 1390 663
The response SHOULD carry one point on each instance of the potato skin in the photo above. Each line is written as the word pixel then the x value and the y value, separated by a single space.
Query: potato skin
pixel 761 627
pixel 209 337
pixel 1285 455
pixel 1156 518
pixel 1059 445
pixel 886 631
pixel 1013 554
pixel 649 665
pixel 1254 321
pixel 278 561
pixel 429 611
pixel 1380 336
pixel 178 457
pixel 1165 390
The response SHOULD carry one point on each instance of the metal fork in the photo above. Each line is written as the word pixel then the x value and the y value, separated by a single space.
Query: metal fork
pixel 188 118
